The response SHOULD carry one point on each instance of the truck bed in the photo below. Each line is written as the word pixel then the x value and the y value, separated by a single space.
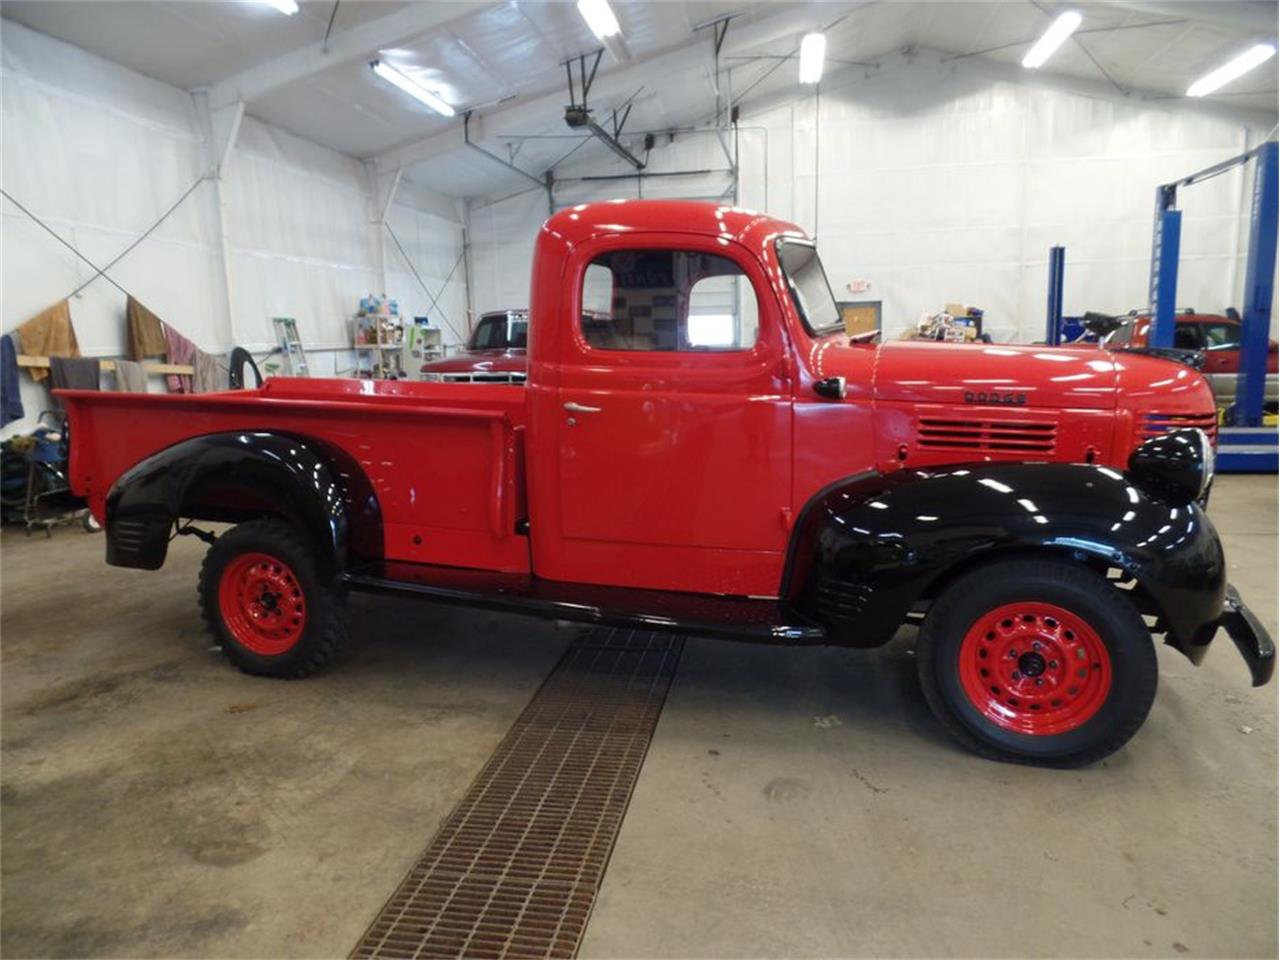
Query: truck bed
pixel 445 461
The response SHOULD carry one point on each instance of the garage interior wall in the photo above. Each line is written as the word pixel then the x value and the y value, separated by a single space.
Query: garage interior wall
pixel 948 182
pixel 100 152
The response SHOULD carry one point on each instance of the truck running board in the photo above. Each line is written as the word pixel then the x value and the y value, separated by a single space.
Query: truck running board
pixel 733 618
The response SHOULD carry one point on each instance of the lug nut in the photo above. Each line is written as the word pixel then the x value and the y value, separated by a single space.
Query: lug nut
pixel 1039 681
pixel 1035 645
pixel 1053 664
pixel 1017 675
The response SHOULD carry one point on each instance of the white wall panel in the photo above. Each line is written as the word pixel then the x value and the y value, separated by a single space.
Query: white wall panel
pixel 434 248
pixel 99 153
pixel 988 175
pixel 302 238
pixel 502 237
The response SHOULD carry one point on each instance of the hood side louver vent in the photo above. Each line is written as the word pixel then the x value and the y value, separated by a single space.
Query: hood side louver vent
pixel 984 436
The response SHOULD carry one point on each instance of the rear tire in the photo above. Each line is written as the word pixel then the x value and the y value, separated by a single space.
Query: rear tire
pixel 1039 662
pixel 263 599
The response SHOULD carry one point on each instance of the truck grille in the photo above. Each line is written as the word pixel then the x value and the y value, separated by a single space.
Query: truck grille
pixel 1158 424
pixel 987 436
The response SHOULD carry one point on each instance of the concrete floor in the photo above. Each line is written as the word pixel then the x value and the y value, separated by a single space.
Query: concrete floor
pixel 794 802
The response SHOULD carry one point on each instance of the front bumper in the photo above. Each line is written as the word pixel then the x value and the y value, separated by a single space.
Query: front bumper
pixel 1250 637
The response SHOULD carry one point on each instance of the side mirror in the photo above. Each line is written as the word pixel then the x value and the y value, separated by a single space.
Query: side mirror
pixel 832 388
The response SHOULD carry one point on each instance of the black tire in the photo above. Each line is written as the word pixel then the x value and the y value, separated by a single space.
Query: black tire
pixel 1079 591
pixel 322 609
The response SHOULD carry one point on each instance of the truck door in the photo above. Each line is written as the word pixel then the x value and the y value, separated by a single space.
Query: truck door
pixel 673 420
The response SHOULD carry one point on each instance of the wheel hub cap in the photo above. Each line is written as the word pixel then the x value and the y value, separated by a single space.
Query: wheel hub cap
pixel 261 603
pixel 1034 668
pixel 1031 664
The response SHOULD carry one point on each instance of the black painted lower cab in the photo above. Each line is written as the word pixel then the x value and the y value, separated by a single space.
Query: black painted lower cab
pixel 737 618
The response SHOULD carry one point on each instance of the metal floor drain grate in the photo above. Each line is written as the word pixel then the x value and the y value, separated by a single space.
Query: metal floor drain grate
pixel 514 870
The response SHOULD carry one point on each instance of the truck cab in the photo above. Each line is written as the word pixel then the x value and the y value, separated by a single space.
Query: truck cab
pixel 691 389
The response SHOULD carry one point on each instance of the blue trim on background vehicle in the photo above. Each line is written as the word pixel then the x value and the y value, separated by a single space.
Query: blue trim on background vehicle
pixel 1259 281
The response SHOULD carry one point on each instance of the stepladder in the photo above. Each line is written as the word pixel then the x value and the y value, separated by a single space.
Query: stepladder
pixel 290 347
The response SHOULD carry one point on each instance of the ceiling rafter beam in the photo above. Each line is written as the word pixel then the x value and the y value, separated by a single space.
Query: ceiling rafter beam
pixel 933 58
pixel 618 81
pixel 357 43
pixel 1090 30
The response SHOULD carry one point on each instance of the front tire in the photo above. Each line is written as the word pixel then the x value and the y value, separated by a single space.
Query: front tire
pixel 263 599
pixel 1038 661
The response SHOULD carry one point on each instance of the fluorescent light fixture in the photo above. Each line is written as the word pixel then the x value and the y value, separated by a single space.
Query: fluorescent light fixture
pixel 287 7
pixel 1052 39
pixel 813 51
pixel 599 17
pixel 1253 57
pixel 411 87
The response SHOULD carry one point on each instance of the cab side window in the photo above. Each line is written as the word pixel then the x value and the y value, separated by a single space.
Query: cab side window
pixel 1186 336
pixel 1221 336
pixel 668 301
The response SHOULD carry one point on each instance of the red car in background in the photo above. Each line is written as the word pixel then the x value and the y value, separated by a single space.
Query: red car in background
pixel 496 352
pixel 1214 335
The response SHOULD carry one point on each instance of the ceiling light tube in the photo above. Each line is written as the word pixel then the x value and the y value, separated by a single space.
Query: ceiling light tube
pixel 813 51
pixel 1052 39
pixel 411 87
pixel 1232 70
pixel 287 7
pixel 599 17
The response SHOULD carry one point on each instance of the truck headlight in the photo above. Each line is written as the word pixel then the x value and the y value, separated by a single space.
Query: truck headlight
pixel 1179 462
pixel 432 377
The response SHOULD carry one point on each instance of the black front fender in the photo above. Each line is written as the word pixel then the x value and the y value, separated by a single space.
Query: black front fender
pixel 227 476
pixel 865 550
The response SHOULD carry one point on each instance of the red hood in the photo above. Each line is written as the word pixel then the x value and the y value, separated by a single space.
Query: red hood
pixel 917 371
pixel 500 361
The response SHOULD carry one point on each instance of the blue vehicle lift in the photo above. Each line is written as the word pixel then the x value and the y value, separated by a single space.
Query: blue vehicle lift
pixel 1244 444
pixel 1053 331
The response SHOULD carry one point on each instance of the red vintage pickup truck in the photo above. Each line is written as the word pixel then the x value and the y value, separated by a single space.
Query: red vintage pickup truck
pixel 700 448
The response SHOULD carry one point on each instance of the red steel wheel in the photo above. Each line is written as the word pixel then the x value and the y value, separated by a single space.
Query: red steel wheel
pixel 262 604
pixel 1034 668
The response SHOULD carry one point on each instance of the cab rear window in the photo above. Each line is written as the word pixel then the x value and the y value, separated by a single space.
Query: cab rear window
pixel 667 300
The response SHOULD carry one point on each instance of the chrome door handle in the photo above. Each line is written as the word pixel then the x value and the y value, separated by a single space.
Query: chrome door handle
pixel 579 408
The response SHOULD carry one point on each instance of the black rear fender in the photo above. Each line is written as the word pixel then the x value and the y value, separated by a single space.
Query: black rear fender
pixel 867 549
pixel 238 476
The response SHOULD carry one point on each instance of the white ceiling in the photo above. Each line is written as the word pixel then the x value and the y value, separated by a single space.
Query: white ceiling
pixel 188 45
pixel 505 60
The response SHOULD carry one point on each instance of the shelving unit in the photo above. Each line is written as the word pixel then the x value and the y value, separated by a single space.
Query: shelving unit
pixel 422 344
pixel 378 341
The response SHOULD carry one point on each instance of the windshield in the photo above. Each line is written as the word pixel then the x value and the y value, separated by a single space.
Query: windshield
pixel 501 331
pixel 1122 334
pixel 809 288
